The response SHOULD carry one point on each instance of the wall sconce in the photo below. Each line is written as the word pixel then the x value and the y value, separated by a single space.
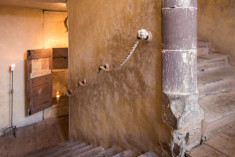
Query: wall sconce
pixel 12 67
pixel 12 127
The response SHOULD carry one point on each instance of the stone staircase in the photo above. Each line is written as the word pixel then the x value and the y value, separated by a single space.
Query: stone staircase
pixel 80 149
pixel 216 86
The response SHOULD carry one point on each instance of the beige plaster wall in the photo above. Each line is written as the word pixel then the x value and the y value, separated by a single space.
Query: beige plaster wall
pixel 54 32
pixel 60 84
pixel 22 29
pixel 122 107
pixel 216 24
pixel 55 35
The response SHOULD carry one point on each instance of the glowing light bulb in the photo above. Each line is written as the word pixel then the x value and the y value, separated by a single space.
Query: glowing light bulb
pixel 12 67
pixel 57 96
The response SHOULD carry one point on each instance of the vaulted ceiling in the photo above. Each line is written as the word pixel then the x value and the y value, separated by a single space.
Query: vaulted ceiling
pixel 56 5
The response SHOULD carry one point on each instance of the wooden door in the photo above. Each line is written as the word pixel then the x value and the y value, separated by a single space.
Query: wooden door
pixel 39 80
pixel 60 58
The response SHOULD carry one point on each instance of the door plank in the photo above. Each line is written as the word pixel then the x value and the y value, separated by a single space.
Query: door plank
pixel 60 58
pixel 39 85
pixel 40 53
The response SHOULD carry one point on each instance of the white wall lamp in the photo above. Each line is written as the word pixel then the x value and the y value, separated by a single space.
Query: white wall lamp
pixel 12 127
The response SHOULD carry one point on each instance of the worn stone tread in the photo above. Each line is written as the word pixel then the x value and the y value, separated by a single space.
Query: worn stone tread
pixel 91 152
pixel 78 149
pixel 221 144
pixel 202 50
pixel 149 154
pixel 77 152
pixel 211 61
pixel 202 44
pixel 215 75
pixel 218 105
pixel 202 47
pixel 205 151
pixel 205 58
pixel 219 110
pixel 61 152
pixel 106 153
pixel 126 153
pixel 216 80
pixel 49 150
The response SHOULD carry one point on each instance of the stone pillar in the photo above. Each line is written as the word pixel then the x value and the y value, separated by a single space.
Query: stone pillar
pixel 181 110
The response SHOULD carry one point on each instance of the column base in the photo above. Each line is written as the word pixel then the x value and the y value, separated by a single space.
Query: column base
pixel 183 114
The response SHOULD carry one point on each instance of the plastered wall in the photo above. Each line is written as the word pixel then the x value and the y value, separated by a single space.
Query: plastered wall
pixel 54 31
pixel 216 24
pixel 55 35
pixel 22 29
pixel 122 107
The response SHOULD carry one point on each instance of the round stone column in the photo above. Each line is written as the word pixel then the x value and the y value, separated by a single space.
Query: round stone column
pixel 181 110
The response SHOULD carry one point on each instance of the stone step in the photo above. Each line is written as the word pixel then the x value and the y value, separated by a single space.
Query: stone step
pixel 202 50
pixel 63 152
pixel 49 150
pixel 77 152
pixel 78 149
pixel 219 110
pixel 213 61
pixel 148 154
pixel 109 152
pixel 215 81
pixel 202 44
pixel 202 47
pixel 91 152
pixel 73 151
pixel 126 153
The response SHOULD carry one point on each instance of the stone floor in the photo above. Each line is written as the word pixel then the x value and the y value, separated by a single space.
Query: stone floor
pixel 34 137
pixel 221 144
